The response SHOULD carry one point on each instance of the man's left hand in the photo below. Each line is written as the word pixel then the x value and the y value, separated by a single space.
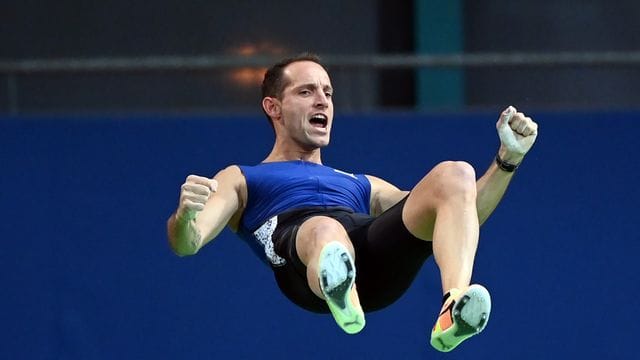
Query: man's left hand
pixel 517 134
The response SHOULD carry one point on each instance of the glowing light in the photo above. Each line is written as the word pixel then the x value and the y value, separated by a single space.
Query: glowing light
pixel 248 77
pixel 252 76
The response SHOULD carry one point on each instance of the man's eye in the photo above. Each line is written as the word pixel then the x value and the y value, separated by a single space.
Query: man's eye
pixel 328 94
pixel 305 92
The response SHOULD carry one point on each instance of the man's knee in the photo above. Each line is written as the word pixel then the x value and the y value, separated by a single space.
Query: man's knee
pixel 322 226
pixel 318 231
pixel 454 179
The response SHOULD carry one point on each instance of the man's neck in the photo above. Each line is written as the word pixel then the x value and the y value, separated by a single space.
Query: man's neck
pixel 277 154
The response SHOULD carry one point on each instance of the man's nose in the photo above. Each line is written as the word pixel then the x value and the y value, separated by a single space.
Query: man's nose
pixel 321 100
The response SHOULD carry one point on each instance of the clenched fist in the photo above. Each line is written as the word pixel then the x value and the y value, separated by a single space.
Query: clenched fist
pixel 517 132
pixel 194 194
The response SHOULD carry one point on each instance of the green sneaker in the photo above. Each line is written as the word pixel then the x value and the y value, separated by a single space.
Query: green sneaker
pixel 337 274
pixel 464 314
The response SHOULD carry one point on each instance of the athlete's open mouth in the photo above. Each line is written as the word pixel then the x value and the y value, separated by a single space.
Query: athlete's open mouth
pixel 319 120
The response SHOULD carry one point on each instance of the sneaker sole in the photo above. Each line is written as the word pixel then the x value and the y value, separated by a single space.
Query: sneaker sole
pixel 348 317
pixel 470 316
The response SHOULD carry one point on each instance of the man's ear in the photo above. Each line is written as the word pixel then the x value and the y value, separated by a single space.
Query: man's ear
pixel 272 107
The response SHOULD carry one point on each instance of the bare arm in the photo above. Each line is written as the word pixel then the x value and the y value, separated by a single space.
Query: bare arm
pixel 492 186
pixel 517 135
pixel 383 195
pixel 206 207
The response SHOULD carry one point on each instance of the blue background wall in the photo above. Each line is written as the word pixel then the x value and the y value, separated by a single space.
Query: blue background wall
pixel 87 273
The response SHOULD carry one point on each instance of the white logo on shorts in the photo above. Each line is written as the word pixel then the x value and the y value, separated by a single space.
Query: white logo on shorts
pixel 263 235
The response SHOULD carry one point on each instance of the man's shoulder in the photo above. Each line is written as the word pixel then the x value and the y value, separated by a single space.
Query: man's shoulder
pixel 232 174
pixel 231 170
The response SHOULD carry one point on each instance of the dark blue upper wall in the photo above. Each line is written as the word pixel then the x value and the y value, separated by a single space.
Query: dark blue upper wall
pixel 88 273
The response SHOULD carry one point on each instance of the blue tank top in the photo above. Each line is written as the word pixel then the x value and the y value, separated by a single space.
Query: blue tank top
pixel 276 187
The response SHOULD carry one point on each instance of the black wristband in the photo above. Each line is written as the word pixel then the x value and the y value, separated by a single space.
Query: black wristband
pixel 506 166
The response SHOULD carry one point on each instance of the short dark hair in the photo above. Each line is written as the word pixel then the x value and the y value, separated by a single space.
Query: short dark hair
pixel 274 81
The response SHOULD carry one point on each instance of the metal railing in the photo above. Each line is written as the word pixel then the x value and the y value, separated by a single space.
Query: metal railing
pixel 212 62
pixel 13 71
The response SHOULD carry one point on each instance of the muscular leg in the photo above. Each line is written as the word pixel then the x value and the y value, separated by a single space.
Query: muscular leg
pixel 442 208
pixel 312 236
pixel 327 261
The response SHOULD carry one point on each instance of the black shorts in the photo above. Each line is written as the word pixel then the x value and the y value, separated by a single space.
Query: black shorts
pixel 388 257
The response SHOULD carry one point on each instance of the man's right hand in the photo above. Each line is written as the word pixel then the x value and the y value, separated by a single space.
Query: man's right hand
pixel 194 194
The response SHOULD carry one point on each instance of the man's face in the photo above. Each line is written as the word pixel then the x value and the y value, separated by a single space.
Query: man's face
pixel 307 108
